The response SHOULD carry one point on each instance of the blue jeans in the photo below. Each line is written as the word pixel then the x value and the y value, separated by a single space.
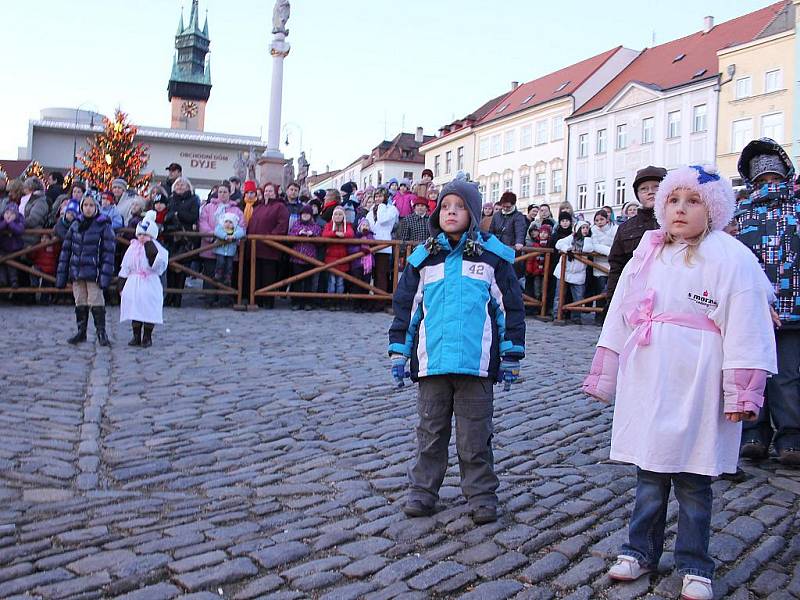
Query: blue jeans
pixel 646 529
pixel 577 291
pixel 335 284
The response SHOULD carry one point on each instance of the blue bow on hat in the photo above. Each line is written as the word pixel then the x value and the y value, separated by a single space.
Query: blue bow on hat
pixel 704 176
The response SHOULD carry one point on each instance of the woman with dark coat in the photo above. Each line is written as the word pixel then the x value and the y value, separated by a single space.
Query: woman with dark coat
pixel 183 212
pixel 270 218
pixel 87 260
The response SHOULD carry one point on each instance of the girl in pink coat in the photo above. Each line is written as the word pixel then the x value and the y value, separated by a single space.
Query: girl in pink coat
pixel 686 349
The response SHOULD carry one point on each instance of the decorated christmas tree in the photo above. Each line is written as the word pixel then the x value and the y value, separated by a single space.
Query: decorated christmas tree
pixel 35 169
pixel 113 153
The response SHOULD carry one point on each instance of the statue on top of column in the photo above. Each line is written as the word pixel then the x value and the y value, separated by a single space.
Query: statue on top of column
pixel 280 14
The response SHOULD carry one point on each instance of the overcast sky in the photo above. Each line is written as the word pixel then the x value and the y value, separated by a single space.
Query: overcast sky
pixel 358 71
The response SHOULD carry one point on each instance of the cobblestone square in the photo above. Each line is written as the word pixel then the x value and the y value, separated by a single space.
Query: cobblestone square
pixel 264 455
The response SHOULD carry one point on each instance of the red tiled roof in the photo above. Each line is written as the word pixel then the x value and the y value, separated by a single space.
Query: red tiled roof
pixel 552 86
pixel 403 148
pixel 14 168
pixel 473 117
pixel 658 68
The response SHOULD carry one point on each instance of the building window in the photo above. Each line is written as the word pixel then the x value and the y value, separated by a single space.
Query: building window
pixel 482 190
pixel 619 191
pixel 647 130
pixel 699 118
pixel 558 128
pixel 622 136
pixel 674 124
pixel 525 136
pixel 436 165
pixel 557 177
pixel 601 141
pixel 541 184
pixel 508 141
pixel 508 184
pixel 495 148
pixel 460 158
pixel 599 194
pixel 408 175
pixel 541 132
pixel 741 134
pixel 772 127
pixel 773 81
pixel 524 186
pixel 370 178
pixel 582 197
pixel 380 177
pixel 583 145
pixel 744 88
pixel 448 161
pixel 494 191
pixel 483 148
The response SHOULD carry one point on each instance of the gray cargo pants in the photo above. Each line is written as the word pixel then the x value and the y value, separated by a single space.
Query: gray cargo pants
pixel 471 400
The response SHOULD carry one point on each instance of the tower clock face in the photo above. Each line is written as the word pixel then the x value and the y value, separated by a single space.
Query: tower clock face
pixel 189 109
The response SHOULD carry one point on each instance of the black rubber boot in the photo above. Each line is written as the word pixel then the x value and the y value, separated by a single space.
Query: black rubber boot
pixel 147 338
pixel 82 318
pixel 99 316
pixel 136 340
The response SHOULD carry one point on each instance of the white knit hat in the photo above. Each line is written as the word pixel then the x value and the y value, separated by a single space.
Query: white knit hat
pixel 229 216
pixel 148 225
pixel 714 190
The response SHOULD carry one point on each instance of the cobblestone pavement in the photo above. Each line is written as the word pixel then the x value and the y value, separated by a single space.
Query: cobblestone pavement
pixel 240 464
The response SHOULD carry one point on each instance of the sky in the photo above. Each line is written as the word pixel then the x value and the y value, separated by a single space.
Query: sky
pixel 358 72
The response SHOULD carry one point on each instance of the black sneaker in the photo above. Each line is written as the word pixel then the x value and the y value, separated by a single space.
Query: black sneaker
pixel 754 450
pixel 417 508
pixel 484 514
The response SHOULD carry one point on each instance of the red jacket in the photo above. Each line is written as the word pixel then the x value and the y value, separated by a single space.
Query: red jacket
pixel 535 265
pixel 46 259
pixel 269 219
pixel 334 252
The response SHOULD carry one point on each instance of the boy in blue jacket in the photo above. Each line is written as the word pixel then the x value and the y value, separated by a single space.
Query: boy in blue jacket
pixel 460 319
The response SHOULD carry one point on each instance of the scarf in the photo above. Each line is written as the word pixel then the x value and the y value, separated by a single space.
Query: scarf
pixel 248 210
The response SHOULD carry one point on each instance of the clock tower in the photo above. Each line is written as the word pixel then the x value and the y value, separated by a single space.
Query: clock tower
pixel 190 83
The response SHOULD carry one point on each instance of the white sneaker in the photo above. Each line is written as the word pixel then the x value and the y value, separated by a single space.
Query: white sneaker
pixel 626 568
pixel 696 588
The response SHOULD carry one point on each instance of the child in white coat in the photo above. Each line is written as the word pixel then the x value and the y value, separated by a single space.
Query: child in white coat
pixel 686 348
pixel 142 298
pixel 575 273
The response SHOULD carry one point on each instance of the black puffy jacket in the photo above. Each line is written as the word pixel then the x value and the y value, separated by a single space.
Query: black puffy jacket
pixel 87 253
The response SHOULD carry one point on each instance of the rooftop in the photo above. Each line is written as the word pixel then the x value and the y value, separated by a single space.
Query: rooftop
pixel 559 84
pixel 686 60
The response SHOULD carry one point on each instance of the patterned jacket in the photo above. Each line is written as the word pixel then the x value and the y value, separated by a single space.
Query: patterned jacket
pixel 458 314
pixel 768 226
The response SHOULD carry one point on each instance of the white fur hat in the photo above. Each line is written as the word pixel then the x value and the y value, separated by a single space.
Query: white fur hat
pixel 715 191
pixel 228 216
pixel 148 225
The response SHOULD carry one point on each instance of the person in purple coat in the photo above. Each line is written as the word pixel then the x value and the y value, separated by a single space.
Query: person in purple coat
pixel 11 227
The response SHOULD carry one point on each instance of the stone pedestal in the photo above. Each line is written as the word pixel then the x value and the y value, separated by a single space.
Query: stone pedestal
pixel 271 168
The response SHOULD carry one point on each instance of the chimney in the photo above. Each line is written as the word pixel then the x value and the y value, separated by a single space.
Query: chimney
pixel 327 168
pixel 708 24
pixel 418 137
pixel 514 85
pixel 313 173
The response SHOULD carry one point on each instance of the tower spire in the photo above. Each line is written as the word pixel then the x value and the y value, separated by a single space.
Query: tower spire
pixel 180 23
pixel 193 24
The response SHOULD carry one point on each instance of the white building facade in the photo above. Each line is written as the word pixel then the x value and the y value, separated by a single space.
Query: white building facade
pixel 449 154
pixel 640 126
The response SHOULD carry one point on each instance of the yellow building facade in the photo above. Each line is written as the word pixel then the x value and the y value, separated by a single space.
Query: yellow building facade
pixel 757 92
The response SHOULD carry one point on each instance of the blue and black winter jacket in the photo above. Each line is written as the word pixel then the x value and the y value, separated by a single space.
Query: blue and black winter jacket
pixel 457 313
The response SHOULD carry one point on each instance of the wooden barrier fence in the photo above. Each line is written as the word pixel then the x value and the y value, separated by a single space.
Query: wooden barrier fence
pixel 246 258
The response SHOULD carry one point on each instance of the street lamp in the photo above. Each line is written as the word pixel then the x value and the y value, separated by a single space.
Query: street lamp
pixel 296 126
pixel 75 133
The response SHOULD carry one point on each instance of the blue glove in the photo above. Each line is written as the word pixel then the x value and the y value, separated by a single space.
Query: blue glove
pixel 508 373
pixel 399 369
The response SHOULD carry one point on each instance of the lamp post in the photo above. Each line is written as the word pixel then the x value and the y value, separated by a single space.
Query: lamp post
pixel 75 133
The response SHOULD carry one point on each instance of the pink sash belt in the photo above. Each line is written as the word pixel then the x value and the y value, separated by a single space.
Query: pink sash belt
pixel 641 318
